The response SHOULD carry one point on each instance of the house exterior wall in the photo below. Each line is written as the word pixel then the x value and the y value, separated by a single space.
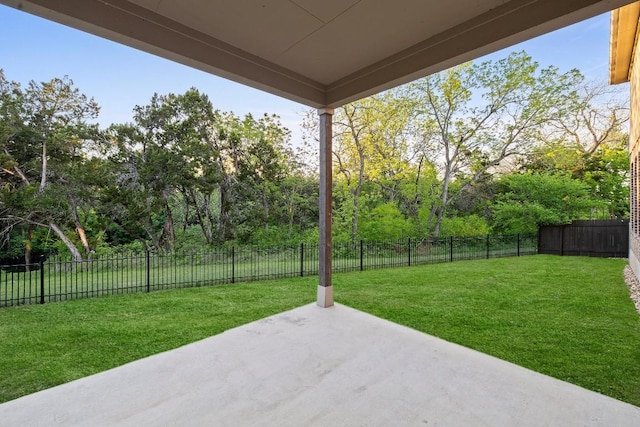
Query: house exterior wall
pixel 634 159
pixel 624 54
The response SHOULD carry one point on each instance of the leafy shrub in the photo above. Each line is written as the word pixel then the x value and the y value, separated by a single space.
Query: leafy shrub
pixel 526 201
pixel 464 226
pixel 383 223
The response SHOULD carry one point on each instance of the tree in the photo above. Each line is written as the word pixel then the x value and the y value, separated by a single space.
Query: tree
pixel 256 159
pixel 182 162
pixel 473 117
pixel 590 143
pixel 606 171
pixel 371 148
pixel 169 149
pixel 597 118
pixel 43 132
pixel 524 201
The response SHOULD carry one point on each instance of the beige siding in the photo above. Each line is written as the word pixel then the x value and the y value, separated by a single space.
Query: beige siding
pixel 634 158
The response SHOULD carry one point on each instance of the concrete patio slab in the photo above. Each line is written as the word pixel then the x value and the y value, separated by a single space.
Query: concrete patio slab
pixel 319 367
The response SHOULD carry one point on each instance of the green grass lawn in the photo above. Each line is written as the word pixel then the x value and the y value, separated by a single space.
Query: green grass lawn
pixel 568 317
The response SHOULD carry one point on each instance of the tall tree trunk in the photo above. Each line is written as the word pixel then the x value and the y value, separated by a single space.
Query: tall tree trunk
pixel 83 238
pixel 28 247
pixel 265 206
pixel 444 201
pixel 151 233
pixel 168 229
pixel 185 196
pixel 357 191
pixel 432 213
pixel 43 175
pixel 75 253
pixel 356 197
pixel 224 226
pixel 436 228
pixel 392 193
pixel 355 212
pixel 203 226
pixel 290 214
pixel 79 227
pixel 208 214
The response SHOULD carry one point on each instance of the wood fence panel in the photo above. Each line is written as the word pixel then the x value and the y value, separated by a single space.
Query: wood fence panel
pixel 599 238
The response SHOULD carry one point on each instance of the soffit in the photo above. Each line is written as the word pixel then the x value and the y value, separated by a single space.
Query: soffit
pixel 624 35
pixel 320 53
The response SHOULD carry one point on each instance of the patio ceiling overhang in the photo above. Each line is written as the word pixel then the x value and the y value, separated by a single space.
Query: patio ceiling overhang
pixel 319 53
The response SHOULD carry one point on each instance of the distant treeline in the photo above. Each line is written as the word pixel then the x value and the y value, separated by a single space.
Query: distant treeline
pixel 494 147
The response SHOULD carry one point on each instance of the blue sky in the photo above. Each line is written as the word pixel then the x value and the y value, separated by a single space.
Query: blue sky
pixel 119 77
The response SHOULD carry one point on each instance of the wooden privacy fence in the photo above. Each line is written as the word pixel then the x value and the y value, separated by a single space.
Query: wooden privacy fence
pixel 597 238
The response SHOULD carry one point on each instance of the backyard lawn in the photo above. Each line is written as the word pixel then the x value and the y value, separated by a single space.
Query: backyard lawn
pixel 568 317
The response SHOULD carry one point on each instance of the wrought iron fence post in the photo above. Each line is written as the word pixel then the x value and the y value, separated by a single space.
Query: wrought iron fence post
pixel 451 248
pixel 233 264
pixel 409 252
pixel 41 281
pixel 301 259
pixel 361 255
pixel 148 270
pixel 518 244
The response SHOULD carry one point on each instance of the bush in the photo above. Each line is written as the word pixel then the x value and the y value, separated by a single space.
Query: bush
pixel 280 235
pixel 464 226
pixel 383 223
pixel 526 201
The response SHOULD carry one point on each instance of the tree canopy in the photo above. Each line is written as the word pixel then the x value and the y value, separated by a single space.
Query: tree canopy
pixel 488 147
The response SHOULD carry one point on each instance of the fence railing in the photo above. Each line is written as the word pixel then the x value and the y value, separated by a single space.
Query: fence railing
pixel 58 279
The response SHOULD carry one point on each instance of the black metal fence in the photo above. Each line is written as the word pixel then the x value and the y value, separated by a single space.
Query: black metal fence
pixel 596 238
pixel 58 279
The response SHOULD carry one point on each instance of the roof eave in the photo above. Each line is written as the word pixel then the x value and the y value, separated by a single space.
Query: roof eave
pixel 624 33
